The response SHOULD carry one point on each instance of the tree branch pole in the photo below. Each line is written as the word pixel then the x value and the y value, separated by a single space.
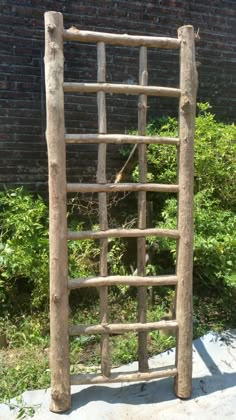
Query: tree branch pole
pixel 118 139
pixel 142 212
pixel 55 134
pixel 122 88
pixel 102 199
pixel 93 379
pixel 74 34
pixel 187 107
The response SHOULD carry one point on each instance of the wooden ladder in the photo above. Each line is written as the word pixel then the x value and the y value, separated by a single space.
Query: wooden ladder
pixel 61 379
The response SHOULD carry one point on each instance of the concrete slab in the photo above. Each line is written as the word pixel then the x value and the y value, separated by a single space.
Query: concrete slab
pixel 213 397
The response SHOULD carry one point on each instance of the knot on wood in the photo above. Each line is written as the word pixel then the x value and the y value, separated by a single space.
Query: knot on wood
pixel 55 298
pixel 51 27
pixel 185 103
pixel 142 106
pixel 73 29
pixel 59 395
pixel 53 46
pixel 54 166
pixel 55 394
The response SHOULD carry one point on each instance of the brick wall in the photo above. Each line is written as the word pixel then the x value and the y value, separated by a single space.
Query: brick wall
pixel 23 158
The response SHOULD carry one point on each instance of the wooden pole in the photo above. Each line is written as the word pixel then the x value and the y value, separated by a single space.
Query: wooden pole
pixel 55 134
pixel 119 139
pixel 123 233
pixel 102 200
pixel 93 378
pixel 122 187
pixel 122 88
pixel 74 34
pixel 120 328
pixel 141 242
pixel 187 105
pixel 125 280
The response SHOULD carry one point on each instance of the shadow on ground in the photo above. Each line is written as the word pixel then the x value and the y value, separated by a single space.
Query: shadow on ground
pixel 150 393
pixel 162 389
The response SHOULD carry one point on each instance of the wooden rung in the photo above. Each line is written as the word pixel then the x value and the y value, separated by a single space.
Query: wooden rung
pixel 74 34
pixel 123 233
pixel 119 139
pixel 92 378
pixel 89 188
pixel 124 280
pixel 120 328
pixel 121 88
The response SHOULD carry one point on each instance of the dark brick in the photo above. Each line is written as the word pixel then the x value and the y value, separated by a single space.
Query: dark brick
pixel 22 109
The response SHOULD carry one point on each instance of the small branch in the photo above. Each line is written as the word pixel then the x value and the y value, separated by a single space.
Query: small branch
pixel 128 166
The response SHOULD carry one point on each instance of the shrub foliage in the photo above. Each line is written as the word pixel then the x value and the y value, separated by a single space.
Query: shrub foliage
pixel 214 194
pixel 24 219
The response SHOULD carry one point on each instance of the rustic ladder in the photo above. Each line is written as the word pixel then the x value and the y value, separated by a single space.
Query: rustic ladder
pixel 58 188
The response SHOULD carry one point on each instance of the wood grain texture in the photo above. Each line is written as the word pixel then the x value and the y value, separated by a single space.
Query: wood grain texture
pixel 102 204
pixel 187 106
pixel 122 187
pixel 55 133
pixel 118 139
pixel 121 328
pixel 142 211
pixel 123 233
pixel 91 378
pixel 121 88
pixel 74 34
pixel 122 280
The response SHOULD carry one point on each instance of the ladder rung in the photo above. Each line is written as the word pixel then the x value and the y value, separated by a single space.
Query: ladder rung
pixel 125 280
pixel 119 139
pixel 74 34
pixel 122 187
pixel 121 88
pixel 123 233
pixel 120 328
pixel 92 378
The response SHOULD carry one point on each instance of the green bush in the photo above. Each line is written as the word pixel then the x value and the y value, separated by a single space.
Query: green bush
pixel 214 240
pixel 24 245
pixel 214 200
pixel 214 156
pixel 24 248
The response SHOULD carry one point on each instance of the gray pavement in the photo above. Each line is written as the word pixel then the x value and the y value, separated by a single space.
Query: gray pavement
pixel 213 397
